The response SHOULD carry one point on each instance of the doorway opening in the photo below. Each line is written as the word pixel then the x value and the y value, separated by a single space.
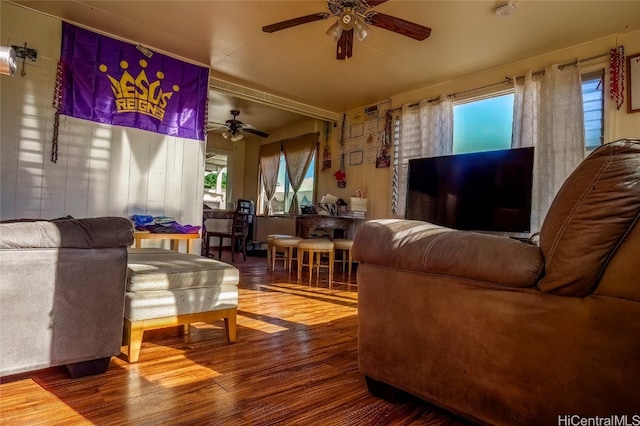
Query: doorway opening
pixel 215 180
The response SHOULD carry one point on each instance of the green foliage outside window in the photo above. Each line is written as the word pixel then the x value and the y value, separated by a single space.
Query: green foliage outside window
pixel 211 180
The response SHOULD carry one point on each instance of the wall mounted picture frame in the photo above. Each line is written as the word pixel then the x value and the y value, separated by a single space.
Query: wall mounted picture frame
pixel 633 83
pixel 356 157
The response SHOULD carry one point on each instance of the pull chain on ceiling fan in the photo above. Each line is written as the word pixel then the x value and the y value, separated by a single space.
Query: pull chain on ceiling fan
pixel 354 16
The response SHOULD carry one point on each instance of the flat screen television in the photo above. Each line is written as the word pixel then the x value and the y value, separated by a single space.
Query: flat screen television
pixel 483 191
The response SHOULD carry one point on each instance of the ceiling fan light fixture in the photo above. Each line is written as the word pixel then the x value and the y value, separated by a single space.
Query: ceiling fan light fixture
pixel 237 137
pixel 335 31
pixel 361 30
pixel 348 19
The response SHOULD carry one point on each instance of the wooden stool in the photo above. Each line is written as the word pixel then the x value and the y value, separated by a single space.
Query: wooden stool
pixel 270 239
pixel 316 248
pixel 344 246
pixel 288 246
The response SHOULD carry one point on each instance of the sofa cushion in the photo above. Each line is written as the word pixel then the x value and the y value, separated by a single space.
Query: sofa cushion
pixel 159 304
pixel 94 232
pixel 152 269
pixel 589 217
pixel 425 247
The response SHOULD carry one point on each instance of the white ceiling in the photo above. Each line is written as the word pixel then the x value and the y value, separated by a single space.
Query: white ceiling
pixel 299 63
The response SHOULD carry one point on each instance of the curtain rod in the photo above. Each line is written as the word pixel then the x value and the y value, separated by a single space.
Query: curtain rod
pixel 508 80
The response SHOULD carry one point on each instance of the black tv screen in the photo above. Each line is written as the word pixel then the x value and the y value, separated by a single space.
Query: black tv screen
pixel 483 191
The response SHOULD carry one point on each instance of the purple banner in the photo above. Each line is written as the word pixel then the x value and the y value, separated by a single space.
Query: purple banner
pixel 110 81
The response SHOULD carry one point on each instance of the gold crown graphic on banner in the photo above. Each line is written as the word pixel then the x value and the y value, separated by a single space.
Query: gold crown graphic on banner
pixel 138 94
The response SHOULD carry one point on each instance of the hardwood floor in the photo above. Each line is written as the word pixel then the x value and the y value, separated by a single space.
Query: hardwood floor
pixel 294 363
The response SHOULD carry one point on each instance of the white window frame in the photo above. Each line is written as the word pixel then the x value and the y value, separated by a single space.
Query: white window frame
pixel 600 67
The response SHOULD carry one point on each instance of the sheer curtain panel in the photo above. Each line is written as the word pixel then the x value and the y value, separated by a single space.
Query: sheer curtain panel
pixel 548 115
pixel 526 111
pixel 298 153
pixel 426 130
pixel 269 164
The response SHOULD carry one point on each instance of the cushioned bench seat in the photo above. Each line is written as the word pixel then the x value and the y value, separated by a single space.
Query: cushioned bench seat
pixel 167 288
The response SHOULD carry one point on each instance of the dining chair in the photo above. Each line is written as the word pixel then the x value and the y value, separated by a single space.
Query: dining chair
pixel 237 234
pixel 245 206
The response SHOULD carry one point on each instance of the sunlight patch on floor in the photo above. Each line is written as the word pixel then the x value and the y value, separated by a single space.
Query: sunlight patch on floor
pixel 162 371
pixel 276 301
pixel 330 294
pixel 258 325
pixel 23 394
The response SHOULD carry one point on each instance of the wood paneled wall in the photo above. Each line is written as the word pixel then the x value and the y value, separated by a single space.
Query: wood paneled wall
pixel 101 169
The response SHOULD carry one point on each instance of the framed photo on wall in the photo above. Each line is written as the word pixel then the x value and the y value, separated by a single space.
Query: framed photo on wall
pixel 356 157
pixel 633 83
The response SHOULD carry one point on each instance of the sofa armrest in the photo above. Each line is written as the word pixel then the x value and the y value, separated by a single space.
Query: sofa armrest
pixel 95 232
pixel 424 247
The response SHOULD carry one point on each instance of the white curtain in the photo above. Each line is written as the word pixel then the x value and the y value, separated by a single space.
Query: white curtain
pixel 526 111
pixel 269 158
pixel 298 153
pixel 426 130
pixel 548 115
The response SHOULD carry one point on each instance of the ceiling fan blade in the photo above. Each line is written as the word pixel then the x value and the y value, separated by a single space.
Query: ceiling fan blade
pixel 345 45
pixel 399 25
pixel 374 3
pixel 295 21
pixel 215 126
pixel 255 132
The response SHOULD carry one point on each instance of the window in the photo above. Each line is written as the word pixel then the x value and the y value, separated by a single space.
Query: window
pixel 486 124
pixel 483 125
pixel 284 193
pixel 593 104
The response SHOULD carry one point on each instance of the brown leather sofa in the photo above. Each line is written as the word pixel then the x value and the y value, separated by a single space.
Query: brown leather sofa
pixel 62 293
pixel 500 331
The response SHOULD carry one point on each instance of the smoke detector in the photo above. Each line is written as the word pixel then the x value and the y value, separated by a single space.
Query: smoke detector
pixel 504 9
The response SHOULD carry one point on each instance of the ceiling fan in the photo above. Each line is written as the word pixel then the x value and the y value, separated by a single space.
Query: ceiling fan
pixel 354 16
pixel 233 128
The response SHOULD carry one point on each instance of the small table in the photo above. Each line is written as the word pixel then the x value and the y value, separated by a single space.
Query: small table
pixel 175 239
pixel 307 223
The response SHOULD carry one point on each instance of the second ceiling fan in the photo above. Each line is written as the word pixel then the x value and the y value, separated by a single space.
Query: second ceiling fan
pixel 233 128
pixel 354 16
